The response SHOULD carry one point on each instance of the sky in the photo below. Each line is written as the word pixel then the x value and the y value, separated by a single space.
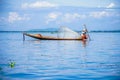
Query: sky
pixel 20 15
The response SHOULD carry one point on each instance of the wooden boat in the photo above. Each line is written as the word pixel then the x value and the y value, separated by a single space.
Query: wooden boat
pixel 67 34
pixel 39 36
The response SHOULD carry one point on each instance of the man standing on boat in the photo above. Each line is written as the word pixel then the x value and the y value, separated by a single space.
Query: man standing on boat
pixel 84 34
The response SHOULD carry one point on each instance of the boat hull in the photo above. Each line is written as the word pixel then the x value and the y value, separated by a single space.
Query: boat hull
pixel 39 36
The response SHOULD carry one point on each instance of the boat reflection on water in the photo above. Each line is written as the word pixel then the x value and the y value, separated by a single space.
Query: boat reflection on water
pixel 84 43
pixel 64 42
pixel 58 44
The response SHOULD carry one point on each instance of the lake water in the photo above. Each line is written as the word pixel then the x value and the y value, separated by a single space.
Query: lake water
pixel 98 59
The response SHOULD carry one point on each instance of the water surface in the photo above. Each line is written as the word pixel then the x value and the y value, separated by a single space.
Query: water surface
pixel 97 59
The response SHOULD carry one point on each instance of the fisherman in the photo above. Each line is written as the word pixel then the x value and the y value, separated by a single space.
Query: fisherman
pixel 84 34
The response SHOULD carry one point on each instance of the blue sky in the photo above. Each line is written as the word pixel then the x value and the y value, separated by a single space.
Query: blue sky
pixel 40 14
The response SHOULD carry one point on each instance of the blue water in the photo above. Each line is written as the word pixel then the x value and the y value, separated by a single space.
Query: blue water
pixel 98 59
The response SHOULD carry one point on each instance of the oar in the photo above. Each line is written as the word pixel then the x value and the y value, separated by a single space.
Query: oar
pixel 23 36
pixel 87 31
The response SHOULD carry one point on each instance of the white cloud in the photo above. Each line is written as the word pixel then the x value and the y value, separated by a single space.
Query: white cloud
pixel 111 5
pixel 66 17
pixel 59 17
pixel 53 16
pixel 14 16
pixel 99 14
pixel 71 17
pixel 38 4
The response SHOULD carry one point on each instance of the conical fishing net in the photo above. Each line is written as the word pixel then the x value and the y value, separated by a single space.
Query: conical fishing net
pixel 65 32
